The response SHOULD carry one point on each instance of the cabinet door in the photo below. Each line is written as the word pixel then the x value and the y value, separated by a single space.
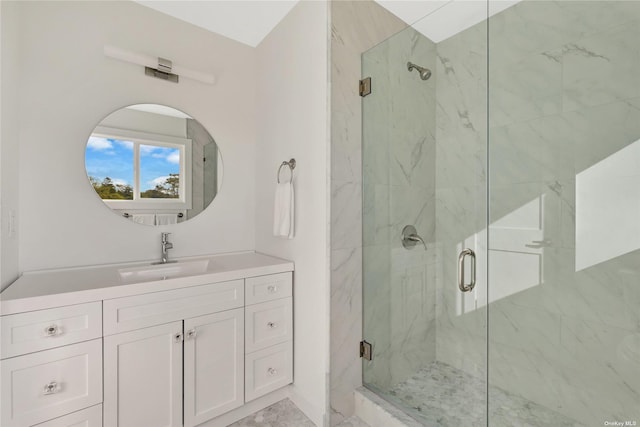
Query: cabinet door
pixel 214 365
pixel 143 377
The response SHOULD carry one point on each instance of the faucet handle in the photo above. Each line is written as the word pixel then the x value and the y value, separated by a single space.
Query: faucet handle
pixel 165 236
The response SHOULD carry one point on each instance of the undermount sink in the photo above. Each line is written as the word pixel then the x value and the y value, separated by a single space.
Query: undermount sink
pixel 151 272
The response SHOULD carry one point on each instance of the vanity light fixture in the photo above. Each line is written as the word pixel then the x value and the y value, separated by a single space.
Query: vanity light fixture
pixel 158 67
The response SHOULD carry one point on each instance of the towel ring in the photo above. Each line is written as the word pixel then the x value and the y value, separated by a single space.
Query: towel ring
pixel 292 165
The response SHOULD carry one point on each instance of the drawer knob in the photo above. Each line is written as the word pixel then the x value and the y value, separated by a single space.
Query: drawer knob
pixel 272 289
pixel 272 372
pixel 272 325
pixel 191 333
pixel 52 331
pixel 51 388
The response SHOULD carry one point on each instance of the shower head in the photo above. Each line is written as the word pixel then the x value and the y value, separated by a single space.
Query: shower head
pixel 425 73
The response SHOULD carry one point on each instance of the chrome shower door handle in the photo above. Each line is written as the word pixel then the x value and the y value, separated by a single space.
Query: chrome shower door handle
pixel 466 287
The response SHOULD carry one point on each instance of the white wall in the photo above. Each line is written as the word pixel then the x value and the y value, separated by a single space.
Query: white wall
pixel 9 121
pixel 292 100
pixel 68 86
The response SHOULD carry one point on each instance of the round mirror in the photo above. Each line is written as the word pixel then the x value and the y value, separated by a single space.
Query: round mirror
pixel 153 164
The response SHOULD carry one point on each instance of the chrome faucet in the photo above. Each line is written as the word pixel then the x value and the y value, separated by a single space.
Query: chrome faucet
pixel 166 245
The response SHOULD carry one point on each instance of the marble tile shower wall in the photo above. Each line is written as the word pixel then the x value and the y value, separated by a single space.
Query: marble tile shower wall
pixel 399 190
pixel 564 95
pixel 461 178
pixel 574 337
pixel 356 26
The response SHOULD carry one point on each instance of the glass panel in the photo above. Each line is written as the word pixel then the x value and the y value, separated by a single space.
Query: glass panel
pixel 109 164
pixel 564 258
pixel 424 165
pixel 159 172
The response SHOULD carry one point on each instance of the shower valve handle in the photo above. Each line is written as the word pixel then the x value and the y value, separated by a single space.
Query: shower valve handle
pixel 410 237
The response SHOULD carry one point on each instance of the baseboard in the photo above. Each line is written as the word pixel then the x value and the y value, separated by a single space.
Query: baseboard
pixel 315 414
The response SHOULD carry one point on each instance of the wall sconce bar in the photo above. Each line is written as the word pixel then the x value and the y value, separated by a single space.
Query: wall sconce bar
pixel 128 215
pixel 158 67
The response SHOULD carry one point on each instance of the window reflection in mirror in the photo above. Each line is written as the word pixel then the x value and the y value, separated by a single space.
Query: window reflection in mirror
pixel 153 164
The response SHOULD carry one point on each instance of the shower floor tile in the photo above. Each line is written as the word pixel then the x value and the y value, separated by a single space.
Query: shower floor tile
pixel 442 396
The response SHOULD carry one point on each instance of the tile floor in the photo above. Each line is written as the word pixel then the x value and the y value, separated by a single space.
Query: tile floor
pixel 442 396
pixel 436 396
pixel 286 414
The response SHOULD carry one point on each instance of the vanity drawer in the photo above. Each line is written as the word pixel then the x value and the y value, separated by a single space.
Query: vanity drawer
pixel 141 311
pixel 90 417
pixel 268 370
pixel 267 324
pixel 267 288
pixel 43 329
pixel 48 384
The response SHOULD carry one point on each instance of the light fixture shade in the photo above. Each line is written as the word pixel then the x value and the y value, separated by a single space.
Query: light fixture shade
pixel 152 62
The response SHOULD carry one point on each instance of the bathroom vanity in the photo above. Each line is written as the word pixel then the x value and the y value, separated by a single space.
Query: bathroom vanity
pixel 145 345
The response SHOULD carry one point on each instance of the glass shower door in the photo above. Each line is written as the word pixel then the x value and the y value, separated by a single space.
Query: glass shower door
pixel 424 223
pixel 564 258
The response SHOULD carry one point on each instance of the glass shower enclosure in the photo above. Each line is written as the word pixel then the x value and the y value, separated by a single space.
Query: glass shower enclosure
pixel 501 216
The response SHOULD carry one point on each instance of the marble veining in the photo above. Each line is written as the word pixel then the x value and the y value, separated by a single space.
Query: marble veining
pixel 280 414
pixel 356 26
pixel 563 97
pixel 286 414
pixel 399 184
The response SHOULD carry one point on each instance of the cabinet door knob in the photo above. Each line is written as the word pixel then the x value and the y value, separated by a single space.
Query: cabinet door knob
pixel 51 388
pixel 191 333
pixel 272 289
pixel 272 371
pixel 178 337
pixel 52 330
pixel 272 325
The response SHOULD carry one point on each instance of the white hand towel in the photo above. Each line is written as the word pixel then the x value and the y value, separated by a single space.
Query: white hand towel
pixel 283 211
pixel 146 219
pixel 166 219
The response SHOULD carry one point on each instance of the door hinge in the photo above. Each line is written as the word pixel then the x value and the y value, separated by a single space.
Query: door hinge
pixel 365 86
pixel 366 350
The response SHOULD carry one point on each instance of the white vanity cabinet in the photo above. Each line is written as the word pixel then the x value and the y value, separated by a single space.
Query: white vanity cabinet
pixel 163 353
pixel 144 367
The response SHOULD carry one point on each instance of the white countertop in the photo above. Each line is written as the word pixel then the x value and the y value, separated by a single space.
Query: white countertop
pixel 55 288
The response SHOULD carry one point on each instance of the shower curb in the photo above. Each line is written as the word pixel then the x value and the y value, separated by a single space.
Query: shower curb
pixel 377 412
